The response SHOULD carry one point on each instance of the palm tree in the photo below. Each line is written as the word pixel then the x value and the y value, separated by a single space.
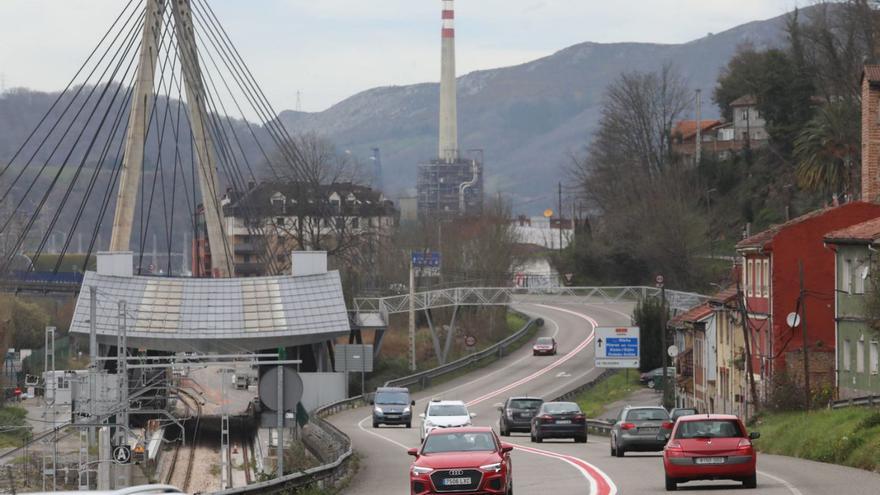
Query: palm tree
pixel 827 149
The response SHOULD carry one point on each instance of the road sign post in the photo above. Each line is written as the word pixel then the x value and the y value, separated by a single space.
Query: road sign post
pixel 617 347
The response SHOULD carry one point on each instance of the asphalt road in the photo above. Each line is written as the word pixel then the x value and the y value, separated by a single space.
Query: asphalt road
pixel 563 467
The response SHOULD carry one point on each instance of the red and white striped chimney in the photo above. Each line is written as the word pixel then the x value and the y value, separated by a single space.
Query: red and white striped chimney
pixel 448 109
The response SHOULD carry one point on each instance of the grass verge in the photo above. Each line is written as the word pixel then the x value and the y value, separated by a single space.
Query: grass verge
pixel 850 437
pixel 13 426
pixel 612 388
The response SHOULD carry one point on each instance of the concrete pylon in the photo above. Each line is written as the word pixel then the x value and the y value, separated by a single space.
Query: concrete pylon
pixel 141 106
pixel 221 253
pixel 448 93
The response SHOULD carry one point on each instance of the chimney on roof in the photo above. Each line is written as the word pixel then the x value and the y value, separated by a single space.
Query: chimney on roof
pixel 871 133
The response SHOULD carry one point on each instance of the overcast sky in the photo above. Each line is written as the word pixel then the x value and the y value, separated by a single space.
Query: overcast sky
pixel 331 49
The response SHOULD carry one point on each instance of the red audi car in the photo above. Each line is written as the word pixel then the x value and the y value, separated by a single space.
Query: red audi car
pixel 710 447
pixel 544 346
pixel 467 460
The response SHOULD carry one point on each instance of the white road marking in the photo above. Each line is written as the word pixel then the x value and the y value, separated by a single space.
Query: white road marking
pixel 791 488
pixel 563 374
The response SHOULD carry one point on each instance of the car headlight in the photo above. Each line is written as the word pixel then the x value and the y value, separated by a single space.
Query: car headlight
pixel 418 470
pixel 377 410
pixel 509 414
pixel 492 467
pixel 406 410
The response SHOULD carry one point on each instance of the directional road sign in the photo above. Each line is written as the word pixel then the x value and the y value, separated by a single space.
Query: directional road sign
pixel 617 347
pixel 427 263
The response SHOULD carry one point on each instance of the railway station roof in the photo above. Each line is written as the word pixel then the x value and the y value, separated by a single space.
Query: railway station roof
pixel 215 315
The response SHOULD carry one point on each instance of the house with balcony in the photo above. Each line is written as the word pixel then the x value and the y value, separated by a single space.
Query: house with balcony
pixel 856 332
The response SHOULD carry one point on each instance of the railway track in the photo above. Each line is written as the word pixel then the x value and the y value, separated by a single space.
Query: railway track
pixel 172 469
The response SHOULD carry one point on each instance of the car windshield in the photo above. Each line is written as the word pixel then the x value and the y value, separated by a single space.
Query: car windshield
pixel 401 398
pixel 545 341
pixel 447 410
pixel 458 442
pixel 708 429
pixel 525 403
pixel 647 415
pixel 561 408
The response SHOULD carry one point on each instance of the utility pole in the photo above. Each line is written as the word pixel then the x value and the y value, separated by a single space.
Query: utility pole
pixel 699 150
pixel 560 217
pixel 663 342
pixel 803 305
pixel 412 316
pixel 93 360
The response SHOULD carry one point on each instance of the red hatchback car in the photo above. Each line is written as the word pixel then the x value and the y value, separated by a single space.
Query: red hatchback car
pixel 544 346
pixel 710 447
pixel 467 460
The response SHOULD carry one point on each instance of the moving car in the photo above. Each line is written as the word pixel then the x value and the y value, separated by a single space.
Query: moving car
pixel 544 346
pixel 444 414
pixel 392 406
pixel 640 429
pixel 469 460
pixel 678 412
pixel 559 420
pixel 517 414
pixel 710 447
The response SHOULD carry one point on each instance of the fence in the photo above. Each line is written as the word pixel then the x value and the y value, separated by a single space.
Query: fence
pixel 867 401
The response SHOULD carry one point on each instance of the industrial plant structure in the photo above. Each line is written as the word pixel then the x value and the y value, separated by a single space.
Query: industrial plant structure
pixel 450 185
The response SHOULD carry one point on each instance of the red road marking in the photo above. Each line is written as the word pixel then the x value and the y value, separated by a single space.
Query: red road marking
pixel 602 484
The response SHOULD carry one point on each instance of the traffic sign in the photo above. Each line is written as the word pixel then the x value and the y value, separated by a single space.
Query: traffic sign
pixel 427 262
pixel 122 454
pixel 470 341
pixel 617 347
pixel 268 388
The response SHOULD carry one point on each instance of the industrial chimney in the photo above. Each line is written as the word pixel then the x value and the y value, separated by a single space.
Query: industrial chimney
pixel 448 112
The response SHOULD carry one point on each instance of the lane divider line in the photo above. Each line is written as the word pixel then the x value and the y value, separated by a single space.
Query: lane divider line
pixel 599 481
pixel 791 488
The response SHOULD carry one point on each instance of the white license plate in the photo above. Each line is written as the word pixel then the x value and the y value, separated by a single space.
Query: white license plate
pixel 710 460
pixel 563 421
pixel 456 481
pixel 649 430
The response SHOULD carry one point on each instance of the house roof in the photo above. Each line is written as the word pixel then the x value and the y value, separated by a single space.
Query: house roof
pixel 692 315
pixel 688 128
pixel 306 198
pixel 725 295
pixel 872 73
pixel 760 239
pixel 861 233
pixel 744 101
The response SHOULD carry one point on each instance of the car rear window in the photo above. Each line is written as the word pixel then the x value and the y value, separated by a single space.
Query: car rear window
pixel 647 415
pixel 561 408
pixel 447 410
pixel 545 341
pixel 709 428
pixel 458 442
pixel 525 403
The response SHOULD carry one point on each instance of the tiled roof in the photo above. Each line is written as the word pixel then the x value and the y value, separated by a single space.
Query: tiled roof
pixel 863 232
pixel 725 295
pixel 744 101
pixel 761 238
pixel 694 314
pixel 688 128
pixel 872 73
pixel 173 313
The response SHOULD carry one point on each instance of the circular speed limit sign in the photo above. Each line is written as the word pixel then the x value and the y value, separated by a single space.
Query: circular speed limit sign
pixel 470 341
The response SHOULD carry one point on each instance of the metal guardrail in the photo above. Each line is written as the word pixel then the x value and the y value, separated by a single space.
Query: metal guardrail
pixel 867 401
pixel 319 475
pixel 423 378
pixel 596 426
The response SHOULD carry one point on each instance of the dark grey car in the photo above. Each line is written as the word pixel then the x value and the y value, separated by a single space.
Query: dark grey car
pixel 392 406
pixel 559 420
pixel 517 414
pixel 638 429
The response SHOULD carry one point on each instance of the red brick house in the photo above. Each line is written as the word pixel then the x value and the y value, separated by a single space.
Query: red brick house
pixel 770 283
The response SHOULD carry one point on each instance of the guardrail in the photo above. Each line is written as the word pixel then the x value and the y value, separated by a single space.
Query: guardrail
pixel 870 400
pixel 423 378
pixel 319 476
pixel 596 426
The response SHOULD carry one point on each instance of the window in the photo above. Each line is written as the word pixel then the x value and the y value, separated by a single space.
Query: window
pixel 759 279
pixel 279 221
pixel 355 222
pixel 766 278
pixel 861 273
pixel 847 355
pixel 875 358
pixel 750 269
pixel 846 277
pixel 860 355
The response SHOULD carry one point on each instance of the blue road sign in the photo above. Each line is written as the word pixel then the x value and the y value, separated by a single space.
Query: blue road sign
pixel 422 259
pixel 622 347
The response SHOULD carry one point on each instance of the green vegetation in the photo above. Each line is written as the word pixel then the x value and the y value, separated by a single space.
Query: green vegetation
pixel 13 426
pixel 610 389
pixel 850 436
